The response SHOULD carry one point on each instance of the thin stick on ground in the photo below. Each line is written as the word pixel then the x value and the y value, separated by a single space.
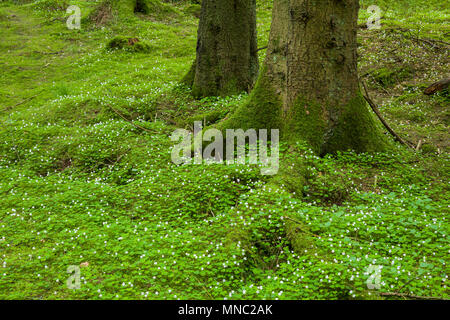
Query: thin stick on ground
pixel 22 102
pixel 131 122
pixel 404 295
pixel 301 229
pixel 437 86
pixel 378 113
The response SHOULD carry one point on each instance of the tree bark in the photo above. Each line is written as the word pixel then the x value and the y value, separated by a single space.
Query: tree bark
pixel 227 59
pixel 308 87
pixel 437 86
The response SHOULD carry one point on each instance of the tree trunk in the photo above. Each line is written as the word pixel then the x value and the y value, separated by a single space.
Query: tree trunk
pixel 106 9
pixel 227 59
pixel 308 87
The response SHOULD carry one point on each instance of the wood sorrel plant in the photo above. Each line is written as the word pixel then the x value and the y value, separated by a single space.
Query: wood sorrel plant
pixel 234 150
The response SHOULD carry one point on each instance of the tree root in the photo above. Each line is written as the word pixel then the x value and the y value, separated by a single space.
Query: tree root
pixel 386 125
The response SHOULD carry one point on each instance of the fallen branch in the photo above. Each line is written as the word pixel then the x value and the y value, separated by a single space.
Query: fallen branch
pixel 56 52
pixel 438 41
pixel 262 48
pixel 404 295
pixel 22 102
pixel 419 145
pixel 378 113
pixel 437 86
pixel 131 122
pixel 430 42
pixel 434 43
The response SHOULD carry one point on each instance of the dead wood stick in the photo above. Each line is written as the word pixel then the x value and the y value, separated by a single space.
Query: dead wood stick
pixel 22 102
pixel 419 145
pixel 437 86
pixel 378 113
pixel 404 295
pixel 131 122
pixel 438 41
pixel 262 48
pixel 56 52
pixel 301 229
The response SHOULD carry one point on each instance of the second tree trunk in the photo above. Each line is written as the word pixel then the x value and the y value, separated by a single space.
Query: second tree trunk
pixel 227 59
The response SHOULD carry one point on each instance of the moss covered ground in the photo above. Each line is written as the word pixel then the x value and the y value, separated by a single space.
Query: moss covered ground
pixel 86 177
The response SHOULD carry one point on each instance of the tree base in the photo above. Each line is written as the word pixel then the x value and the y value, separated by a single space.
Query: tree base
pixel 327 129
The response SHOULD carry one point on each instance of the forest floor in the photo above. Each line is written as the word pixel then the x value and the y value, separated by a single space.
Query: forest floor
pixel 86 176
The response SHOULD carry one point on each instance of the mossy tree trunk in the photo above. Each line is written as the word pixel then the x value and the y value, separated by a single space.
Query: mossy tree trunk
pixel 308 87
pixel 227 59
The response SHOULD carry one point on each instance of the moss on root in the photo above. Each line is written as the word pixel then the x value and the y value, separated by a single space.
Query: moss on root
pixel 261 111
pixel 188 79
pixel 387 77
pixel 128 44
pixel 352 127
pixel 207 118
pixel 298 236
pixel 248 222
pixel 356 130
pixel 257 229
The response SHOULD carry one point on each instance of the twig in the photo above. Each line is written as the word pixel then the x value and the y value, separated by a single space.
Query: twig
pixel 408 282
pixel 437 86
pixel 404 295
pixel 438 41
pixel 377 112
pixel 419 145
pixel 57 52
pixel 131 122
pixel 262 48
pixel 305 231
pixel 429 41
pixel 204 287
pixel 22 102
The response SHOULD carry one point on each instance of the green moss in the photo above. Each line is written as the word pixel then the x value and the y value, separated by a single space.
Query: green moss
pixel 388 77
pixel 152 7
pixel 428 148
pixel 142 47
pixel 208 118
pixel 194 9
pixel 306 123
pixel 51 5
pixel 261 111
pixel 128 44
pixel 292 174
pixel 299 238
pixel 356 130
pixel 188 79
